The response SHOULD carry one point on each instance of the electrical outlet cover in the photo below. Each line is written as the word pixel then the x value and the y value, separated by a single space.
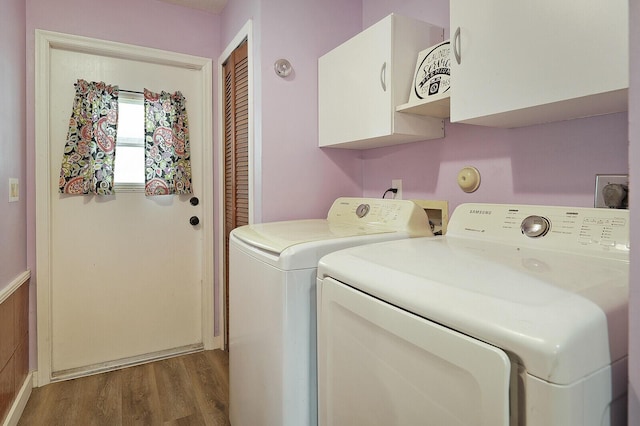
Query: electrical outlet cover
pixel 604 180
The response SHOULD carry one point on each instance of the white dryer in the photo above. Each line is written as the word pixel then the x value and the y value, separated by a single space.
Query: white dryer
pixel 272 303
pixel 518 316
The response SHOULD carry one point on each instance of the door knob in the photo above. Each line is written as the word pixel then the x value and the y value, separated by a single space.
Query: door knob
pixel 194 220
pixel 194 201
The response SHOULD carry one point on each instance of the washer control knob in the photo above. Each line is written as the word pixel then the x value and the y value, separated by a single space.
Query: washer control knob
pixel 535 226
pixel 362 210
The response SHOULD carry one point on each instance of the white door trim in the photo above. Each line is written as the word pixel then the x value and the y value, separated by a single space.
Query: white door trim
pixel 46 41
pixel 246 32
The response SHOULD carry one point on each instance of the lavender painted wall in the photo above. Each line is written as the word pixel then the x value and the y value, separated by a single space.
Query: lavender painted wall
pixel 432 11
pixel 634 165
pixel 13 226
pixel 300 180
pixel 551 164
pixel 296 179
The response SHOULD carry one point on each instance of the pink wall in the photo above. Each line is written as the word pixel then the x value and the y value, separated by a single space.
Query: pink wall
pixel 13 226
pixel 634 165
pixel 300 180
pixel 433 11
pixel 297 180
pixel 551 164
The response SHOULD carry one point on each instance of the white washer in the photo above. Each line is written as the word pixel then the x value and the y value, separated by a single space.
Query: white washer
pixel 517 316
pixel 272 301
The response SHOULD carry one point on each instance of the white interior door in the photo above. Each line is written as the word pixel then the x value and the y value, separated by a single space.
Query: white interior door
pixel 126 271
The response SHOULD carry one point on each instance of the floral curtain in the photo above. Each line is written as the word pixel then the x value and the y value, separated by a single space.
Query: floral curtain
pixel 89 153
pixel 167 156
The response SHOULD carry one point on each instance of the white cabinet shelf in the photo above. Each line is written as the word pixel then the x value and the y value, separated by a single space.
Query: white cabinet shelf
pixel 362 81
pixel 436 106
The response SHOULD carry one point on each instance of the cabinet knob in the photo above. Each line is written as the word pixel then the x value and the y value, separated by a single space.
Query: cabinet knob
pixel 193 220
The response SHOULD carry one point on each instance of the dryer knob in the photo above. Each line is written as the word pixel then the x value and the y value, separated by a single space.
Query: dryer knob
pixel 535 226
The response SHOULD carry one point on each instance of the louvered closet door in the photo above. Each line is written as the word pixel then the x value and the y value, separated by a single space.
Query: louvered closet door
pixel 236 140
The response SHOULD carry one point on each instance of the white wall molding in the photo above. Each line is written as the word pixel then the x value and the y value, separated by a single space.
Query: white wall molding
pixel 14 285
pixel 20 402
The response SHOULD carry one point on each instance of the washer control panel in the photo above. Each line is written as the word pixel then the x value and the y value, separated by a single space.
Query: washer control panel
pixel 551 227
pixel 393 215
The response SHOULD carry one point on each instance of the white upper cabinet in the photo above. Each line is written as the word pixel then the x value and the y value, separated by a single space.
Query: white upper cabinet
pixel 528 62
pixel 361 82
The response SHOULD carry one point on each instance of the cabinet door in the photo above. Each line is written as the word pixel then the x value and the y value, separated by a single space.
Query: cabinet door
pixel 354 99
pixel 528 62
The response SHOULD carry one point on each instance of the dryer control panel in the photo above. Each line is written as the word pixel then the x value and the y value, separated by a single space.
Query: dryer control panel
pixel 577 229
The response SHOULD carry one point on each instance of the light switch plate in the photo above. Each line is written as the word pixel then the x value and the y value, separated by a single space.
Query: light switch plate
pixel 14 190
pixel 604 180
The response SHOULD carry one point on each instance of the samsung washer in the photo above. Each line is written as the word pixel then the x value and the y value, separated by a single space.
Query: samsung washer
pixel 272 300
pixel 518 316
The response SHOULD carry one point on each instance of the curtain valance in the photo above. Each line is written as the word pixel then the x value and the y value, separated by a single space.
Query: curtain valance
pixel 89 153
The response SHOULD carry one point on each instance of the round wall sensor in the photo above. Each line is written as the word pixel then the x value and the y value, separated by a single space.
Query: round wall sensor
pixel 282 67
pixel 469 179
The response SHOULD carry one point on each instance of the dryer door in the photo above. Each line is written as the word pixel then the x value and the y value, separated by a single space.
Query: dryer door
pixel 380 365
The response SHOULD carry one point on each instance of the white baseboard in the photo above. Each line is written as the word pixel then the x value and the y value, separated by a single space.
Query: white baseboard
pixel 21 401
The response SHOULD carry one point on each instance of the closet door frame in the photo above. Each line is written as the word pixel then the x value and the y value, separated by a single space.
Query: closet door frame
pixel 245 34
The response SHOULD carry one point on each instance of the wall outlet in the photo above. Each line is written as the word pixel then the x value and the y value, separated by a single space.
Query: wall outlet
pixel 602 181
pixel 397 184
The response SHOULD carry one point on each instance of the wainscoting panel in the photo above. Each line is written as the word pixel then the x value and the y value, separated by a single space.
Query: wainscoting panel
pixel 14 341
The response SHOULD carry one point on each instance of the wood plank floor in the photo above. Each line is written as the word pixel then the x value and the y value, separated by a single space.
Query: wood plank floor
pixel 186 390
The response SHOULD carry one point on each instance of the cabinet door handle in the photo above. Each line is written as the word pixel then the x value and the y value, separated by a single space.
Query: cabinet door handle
pixel 456 45
pixel 383 76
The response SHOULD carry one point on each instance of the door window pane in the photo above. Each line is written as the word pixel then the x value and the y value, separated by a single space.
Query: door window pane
pixel 129 165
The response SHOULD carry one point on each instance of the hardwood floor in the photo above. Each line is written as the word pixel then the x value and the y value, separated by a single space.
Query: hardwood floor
pixel 187 390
